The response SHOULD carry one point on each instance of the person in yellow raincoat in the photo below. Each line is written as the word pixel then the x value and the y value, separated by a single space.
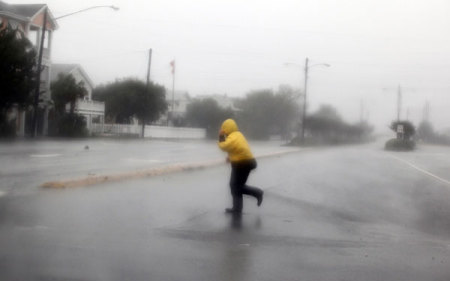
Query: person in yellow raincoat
pixel 232 141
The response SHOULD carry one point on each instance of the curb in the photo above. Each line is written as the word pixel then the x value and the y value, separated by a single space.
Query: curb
pixel 93 180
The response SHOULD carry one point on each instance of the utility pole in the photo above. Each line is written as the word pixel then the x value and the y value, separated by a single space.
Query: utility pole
pixel 172 63
pixel 149 65
pixel 301 132
pixel 399 102
pixel 173 97
pixel 304 103
pixel 38 75
pixel 147 85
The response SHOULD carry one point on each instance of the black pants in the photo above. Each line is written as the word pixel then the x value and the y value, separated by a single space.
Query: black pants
pixel 239 175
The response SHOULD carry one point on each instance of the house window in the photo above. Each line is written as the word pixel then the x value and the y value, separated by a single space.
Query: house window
pixel 33 36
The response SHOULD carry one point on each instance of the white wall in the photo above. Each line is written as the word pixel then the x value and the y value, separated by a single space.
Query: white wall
pixel 174 132
pixel 159 132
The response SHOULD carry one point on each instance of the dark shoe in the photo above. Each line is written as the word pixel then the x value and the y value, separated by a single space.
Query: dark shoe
pixel 260 198
pixel 232 211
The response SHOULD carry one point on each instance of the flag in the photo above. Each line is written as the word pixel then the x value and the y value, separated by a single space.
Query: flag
pixel 172 64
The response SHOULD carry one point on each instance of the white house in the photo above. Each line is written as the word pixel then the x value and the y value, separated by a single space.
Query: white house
pixel 93 111
pixel 224 101
pixel 176 110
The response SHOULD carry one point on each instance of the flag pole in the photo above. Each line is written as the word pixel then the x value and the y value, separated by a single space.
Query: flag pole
pixel 173 92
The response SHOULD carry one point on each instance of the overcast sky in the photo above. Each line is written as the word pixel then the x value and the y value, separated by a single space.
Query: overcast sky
pixel 234 46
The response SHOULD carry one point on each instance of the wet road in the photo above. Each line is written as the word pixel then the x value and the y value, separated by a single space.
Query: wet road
pixel 349 213
pixel 26 164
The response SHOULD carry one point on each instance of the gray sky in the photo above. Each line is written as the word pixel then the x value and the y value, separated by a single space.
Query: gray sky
pixel 234 46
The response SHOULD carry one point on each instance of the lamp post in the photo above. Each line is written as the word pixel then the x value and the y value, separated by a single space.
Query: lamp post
pixel 41 50
pixel 38 75
pixel 90 8
pixel 400 90
pixel 306 70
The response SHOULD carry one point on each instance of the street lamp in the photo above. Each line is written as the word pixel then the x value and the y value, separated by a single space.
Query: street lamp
pixel 41 49
pixel 306 69
pixel 90 8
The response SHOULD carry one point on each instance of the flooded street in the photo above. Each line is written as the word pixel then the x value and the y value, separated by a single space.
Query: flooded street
pixel 346 213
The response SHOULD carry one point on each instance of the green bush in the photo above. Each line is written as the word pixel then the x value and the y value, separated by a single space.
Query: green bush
pixel 72 125
pixel 399 145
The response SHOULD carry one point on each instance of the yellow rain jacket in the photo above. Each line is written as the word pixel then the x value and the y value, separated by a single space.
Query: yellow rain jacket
pixel 235 143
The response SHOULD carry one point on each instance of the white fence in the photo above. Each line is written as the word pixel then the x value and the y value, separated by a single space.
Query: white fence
pixel 174 132
pixel 116 129
pixel 150 131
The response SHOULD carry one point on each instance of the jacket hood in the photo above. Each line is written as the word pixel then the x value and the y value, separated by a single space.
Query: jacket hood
pixel 229 126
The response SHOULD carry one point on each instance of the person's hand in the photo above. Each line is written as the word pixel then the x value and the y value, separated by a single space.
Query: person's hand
pixel 222 136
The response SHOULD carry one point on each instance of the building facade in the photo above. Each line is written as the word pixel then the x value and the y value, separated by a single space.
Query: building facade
pixel 29 18
pixel 176 110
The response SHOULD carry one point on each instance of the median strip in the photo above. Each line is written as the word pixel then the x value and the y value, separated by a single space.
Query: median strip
pixel 92 180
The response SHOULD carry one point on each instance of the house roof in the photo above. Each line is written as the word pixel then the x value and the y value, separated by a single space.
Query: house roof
pixel 25 12
pixel 57 68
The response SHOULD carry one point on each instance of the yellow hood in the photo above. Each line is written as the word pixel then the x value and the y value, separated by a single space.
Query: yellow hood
pixel 235 143
pixel 229 126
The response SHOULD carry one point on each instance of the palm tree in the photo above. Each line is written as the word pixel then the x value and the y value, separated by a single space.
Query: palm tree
pixel 66 90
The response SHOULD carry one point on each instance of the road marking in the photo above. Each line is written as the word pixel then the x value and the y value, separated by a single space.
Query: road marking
pixel 420 169
pixel 44 155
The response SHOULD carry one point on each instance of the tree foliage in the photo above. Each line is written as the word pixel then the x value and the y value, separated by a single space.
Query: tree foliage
pixel 255 117
pixel 72 125
pixel 17 69
pixel 325 122
pixel 408 128
pixel 65 90
pixel 264 113
pixel 327 126
pixel 17 75
pixel 206 113
pixel 125 99
pixel 425 131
